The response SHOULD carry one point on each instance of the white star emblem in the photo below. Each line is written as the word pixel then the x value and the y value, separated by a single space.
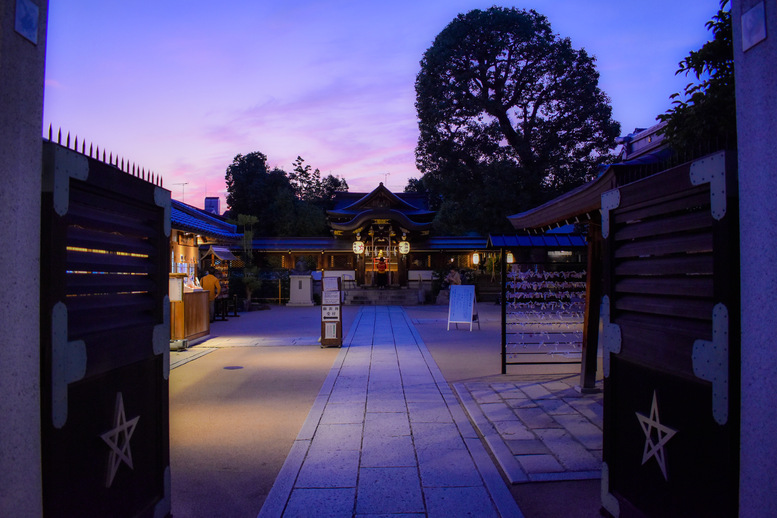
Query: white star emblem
pixel 662 435
pixel 118 439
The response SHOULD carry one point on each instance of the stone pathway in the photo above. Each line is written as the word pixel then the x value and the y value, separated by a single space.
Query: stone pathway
pixel 538 430
pixel 387 436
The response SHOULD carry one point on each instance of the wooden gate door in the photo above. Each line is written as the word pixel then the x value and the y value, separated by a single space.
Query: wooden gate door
pixel 104 339
pixel 670 340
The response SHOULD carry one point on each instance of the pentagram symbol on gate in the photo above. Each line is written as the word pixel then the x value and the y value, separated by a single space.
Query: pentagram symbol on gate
pixel 118 439
pixel 662 435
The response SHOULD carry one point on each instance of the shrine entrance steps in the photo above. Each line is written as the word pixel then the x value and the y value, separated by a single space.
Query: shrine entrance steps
pixel 389 296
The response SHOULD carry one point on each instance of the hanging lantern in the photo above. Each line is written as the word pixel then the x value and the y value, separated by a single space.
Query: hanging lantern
pixel 404 247
pixel 476 258
pixel 510 257
pixel 358 247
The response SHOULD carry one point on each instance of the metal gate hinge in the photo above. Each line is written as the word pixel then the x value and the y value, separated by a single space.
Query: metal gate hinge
pixel 710 362
pixel 609 335
pixel 609 502
pixel 712 170
pixel 610 200
pixel 68 363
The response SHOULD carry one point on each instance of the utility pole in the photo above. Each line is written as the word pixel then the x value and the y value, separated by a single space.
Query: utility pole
pixel 183 190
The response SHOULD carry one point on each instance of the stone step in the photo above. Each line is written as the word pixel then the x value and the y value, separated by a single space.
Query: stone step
pixel 390 297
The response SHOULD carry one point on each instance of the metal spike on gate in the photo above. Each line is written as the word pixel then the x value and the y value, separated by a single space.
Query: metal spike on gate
pixel 50 132
pixel 75 144
pixel 59 136
pixel 67 145
pixel 90 150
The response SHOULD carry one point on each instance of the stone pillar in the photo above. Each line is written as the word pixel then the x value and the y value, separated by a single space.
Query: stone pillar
pixel 755 53
pixel 22 59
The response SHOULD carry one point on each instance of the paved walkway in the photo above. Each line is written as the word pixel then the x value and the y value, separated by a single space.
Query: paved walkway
pixel 387 436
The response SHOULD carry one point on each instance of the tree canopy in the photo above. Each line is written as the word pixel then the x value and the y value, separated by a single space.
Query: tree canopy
pixel 509 114
pixel 284 204
pixel 704 117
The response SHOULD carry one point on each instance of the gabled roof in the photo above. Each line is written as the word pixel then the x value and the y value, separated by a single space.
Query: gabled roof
pixel 191 219
pixel 380 198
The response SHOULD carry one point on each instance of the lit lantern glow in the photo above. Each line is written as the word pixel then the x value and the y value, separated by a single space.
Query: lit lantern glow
pixel 510 257
pixel 404 247
pixel 358 247
pixel 476 258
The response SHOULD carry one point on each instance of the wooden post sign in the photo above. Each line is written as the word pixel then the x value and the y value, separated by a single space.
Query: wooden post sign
pixel 331 313
pixel 462 308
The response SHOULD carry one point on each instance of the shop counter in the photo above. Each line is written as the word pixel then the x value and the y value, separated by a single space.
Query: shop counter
pixel 190 318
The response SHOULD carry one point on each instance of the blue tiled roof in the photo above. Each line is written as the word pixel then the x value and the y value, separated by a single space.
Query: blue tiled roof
pixel 542 240
pixel 191 219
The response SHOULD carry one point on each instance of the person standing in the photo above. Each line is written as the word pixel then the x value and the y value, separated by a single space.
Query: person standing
pixel 211 283
pixel 382 275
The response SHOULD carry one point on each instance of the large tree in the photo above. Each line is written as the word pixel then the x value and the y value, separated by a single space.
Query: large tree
pixel 255 190
pixel 704 118
pixel 310 187
pixel 509 113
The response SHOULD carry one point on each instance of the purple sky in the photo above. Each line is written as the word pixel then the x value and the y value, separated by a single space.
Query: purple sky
pixel 182 86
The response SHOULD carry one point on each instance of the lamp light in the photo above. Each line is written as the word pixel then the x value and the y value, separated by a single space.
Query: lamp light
pixel 404 247
pixel 358 247
pixel 476 258
pixel 510 257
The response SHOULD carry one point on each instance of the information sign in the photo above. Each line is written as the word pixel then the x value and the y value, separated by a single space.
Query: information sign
pixel 462 306
pixel 330 297
pixel 331 313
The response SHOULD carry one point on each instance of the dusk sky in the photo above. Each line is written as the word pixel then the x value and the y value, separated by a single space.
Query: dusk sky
pixel 181 87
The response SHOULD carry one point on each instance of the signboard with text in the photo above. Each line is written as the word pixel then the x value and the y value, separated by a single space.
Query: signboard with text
pixel 462 306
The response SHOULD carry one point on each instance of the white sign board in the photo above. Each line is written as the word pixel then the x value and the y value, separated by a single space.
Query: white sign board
pixel 461 308
pixel 330 297
pixel 330 312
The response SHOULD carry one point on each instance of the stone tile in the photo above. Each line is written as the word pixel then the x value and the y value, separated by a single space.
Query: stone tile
pixel 527 447
pixel 448 468
pixel 387 452
pixel 436 437
pixel 329 469
pixel 582 429
pixel 486 395
pixel 389 491
pixel 463 501
pixel 384 402
pixel 497 412
pixel 429 412
pixel 513 430
pixel 539 464
pixel 568 451
pixel 536 391
pixel 423 395
pixel 536 418
pixel 386 424
pixel 555 406
pixel 512 393
pixel 340 413
pixel 314 503
pixel 521 403
pixel 591 409
pixel 341 395
pixel 333 437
